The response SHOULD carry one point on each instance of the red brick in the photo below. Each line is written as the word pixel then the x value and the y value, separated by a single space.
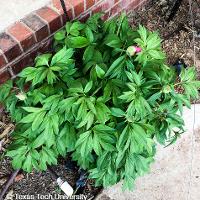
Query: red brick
pixel 28 59
pixel 133 5
pixel 125 3
pixel 116 9
pixel 46 46
pixel 89 3
pixel 78 6
pixel 23 62
pixel 104 6
pixel 37 25
pixel 4 76
pixel 84 18
pixel 9 47
pixel 23 35
pixel 57 6
pixel 2 60
pixel 106 16
pixel 97 9
pixel 51 17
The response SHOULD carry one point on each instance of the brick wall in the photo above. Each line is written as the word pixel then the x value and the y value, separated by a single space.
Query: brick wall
pixel 32 35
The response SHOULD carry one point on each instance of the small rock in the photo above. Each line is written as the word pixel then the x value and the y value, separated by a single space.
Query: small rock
pixel 19 177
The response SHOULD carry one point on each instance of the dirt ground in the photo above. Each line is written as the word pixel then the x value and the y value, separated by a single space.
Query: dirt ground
pixel 38 183
pixel 177 34
pixel 178 42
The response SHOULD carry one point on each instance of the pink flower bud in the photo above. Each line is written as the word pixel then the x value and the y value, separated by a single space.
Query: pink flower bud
pixel 132 50
pixel 138 49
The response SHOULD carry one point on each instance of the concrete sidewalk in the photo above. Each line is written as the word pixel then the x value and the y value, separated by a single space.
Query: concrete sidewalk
pixel 13 10
pixel 175 175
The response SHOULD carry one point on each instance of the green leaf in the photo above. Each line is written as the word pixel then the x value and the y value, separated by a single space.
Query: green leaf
pixel 107 146
pixel 104 128
pixel 75 28
pixel 96 145
pixel 100 72
pixel 85 143
pixel 91 105
pixel 35 154
pixel 27 166
pixel 88 54
pixel 93 21
pixel 117 112
pixel 5 90
pixel 68 26
pixel 40 140
pixel 152 99
pixel 176 118
pixel 88 87
pixel 82 111
pixel 62 56
pixel 42 60
pixel 90 119
pixel 60 35
pixel 51 77
pixel 78 42
pixel 50 137
pixel 28 71
pixel 153 41
pixel 143 33
pixel 28 118
pixel 102 112
pixel 123 138
pixel 31 109
pixel 89 34
pixel 103 139
pixel 112 40
pixel 156 54
pixel 137 78
pixel 17 162
pixel 20 151
pixel 115 64
pixel 52 158
pixel 38 120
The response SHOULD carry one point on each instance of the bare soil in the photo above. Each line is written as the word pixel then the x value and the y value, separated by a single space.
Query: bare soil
pixel 178 41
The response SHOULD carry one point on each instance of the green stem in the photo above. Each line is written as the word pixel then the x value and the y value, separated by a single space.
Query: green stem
pixel 121 21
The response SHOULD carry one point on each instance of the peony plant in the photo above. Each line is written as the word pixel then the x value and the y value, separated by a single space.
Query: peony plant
pixel 105 96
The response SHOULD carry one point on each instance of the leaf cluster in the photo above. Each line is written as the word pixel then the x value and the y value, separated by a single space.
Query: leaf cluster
pixel 92 100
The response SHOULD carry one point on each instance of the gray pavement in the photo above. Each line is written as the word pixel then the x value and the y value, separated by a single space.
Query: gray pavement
pixel 13 10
